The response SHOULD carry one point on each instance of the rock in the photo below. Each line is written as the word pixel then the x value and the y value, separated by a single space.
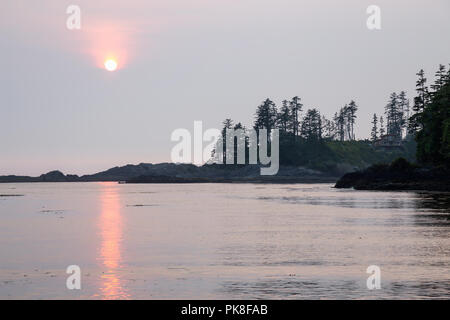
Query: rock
pixel 400 175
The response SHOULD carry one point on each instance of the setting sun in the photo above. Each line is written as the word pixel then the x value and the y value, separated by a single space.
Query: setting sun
pixel 110 65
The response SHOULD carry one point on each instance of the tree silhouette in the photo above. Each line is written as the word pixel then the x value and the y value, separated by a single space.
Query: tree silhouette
pixel 351 118
pixel 284 117
pixel 374 132
pixel 295 107
pixel 382 130
pixel 266 117
pixel 420 101
pixel 433 119
pixel 312 125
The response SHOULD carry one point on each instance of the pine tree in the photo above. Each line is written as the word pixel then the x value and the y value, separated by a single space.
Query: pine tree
pixel 394 116
pixel 295 107
pixel 440 80
pixel 351 118
pixel 382 130
pixel 312 125
pixel 347 122
pixel 420 101
pixel 433 117
pixel 402 112
pixel 374 133
pixel 339 120
pixel 240 141
pixel 336 125
pixel 284 117
pixel 389 111
pixel 266 117
pixel 327 126
pixel 227 124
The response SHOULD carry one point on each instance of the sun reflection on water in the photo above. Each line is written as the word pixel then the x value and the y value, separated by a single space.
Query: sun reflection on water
pixel 111 232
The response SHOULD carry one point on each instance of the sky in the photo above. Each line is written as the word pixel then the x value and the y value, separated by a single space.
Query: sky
pixel 186 60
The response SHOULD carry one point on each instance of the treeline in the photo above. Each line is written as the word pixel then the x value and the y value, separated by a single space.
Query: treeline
pixel 430 123
pixel 311 126
pixel 308 138
pixel 430 126
pixel 426 122
pixel 397 113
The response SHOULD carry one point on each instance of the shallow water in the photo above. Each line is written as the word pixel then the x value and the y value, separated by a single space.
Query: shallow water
pixel 221 241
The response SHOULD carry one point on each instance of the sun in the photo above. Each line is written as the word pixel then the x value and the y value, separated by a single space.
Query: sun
pixel 111 64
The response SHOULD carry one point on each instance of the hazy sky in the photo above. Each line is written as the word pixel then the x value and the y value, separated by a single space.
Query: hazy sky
pixel 186 60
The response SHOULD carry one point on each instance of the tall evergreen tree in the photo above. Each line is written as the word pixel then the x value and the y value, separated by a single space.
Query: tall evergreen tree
pixel 240 141
pixel 382 130
pixel 402 112
pixel 394 116
pixel 227 124
pixel 295 107
pixel 420 101
pixel 440 80
pixel 266 117
pixel 347 122
pixel 284 117
pixel 312 125
pixel 328 130
pixel 339 119
pixel 433 135
pixel 374 133
pixel 351 118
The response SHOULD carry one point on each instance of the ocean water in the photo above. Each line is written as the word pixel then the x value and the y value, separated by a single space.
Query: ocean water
pixel 221 241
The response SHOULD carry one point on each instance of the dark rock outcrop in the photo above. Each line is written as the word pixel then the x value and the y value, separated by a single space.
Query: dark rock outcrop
pixel 400 175
pixel 52 176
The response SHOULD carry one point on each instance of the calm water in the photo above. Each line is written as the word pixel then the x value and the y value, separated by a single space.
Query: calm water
pixel 237 241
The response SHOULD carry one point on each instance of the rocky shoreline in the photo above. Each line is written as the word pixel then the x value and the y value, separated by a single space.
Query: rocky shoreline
pixel 261 179
pixel 399 176
pixel 185 173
